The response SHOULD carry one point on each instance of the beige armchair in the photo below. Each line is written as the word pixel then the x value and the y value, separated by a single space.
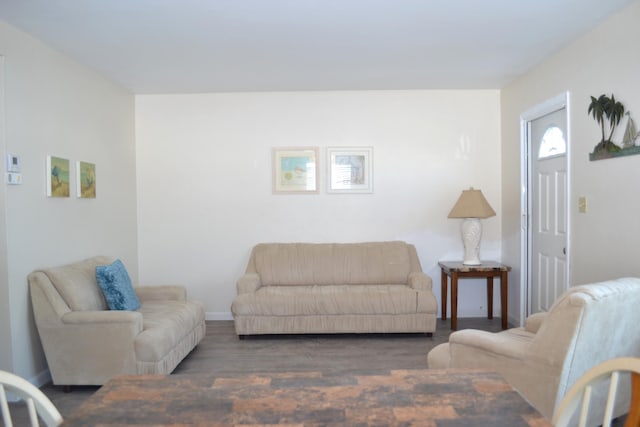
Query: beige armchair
pixel 587 325
pixel 85 343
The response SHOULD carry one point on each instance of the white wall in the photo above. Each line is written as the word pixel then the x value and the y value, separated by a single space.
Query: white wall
pixel 605 240
pixel 5 318
pixel 55 106
pixel 205 191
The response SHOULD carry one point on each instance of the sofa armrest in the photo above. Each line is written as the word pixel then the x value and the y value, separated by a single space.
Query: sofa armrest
pixel 161 293
pixel 420 281
pixel 533 322
pixel 247 283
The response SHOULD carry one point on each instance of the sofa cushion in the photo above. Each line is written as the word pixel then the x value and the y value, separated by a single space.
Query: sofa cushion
pixel 330 300
pixel 77 284
pixel 165 325
pixel 332 263
pixel 116 286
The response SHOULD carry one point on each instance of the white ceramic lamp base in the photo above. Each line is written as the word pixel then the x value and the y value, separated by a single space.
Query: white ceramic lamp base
pixel 471 230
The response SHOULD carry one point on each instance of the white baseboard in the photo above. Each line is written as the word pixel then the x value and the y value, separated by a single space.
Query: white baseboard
pixel 42 378
pixel 218 315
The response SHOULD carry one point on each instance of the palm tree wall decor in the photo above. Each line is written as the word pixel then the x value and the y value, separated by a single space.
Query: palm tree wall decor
pixel 608 112
pixel 606 109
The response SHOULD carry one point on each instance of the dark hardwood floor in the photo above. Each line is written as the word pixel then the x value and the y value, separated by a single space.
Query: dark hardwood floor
pixel 222 352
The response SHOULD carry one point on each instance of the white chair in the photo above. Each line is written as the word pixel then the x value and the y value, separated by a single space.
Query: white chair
pixel 37 403
pixel 587 386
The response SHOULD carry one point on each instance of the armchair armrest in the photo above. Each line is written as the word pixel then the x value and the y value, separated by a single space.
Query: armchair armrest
pixel 104 317
pixel 89 347
pixel 420 281
pixel 533 322
pixel 247 283
pixel 464 343
pixel 161 293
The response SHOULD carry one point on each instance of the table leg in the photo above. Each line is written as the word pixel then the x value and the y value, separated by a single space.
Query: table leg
pixel 443 293
pixel 490 297
pixel 503 298
pixel 454 301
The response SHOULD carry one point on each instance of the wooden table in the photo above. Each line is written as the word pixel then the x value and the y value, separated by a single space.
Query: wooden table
pixel 403 397
pixel 489 269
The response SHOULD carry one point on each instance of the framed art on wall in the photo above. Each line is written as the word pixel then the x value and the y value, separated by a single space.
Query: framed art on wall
pixel 350 169
pixel 295 170
pixel 86 180
pixel 57 177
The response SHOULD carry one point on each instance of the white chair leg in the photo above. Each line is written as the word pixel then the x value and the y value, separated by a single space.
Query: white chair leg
pixel 4 405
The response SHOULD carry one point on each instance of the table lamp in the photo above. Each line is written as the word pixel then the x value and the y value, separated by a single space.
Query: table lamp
pixel 472 206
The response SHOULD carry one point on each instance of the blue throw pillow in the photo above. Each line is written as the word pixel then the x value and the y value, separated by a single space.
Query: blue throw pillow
pixel 116 286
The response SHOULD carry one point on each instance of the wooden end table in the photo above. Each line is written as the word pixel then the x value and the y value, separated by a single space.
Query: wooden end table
pixel 488 269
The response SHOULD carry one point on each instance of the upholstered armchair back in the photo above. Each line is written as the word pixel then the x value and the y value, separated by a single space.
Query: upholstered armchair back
pixel 585 327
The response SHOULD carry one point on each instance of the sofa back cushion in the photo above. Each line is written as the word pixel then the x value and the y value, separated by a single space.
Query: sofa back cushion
pixel 332 263
pixel 77 283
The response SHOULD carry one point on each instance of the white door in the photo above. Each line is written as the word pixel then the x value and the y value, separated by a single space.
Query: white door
pixel 548 190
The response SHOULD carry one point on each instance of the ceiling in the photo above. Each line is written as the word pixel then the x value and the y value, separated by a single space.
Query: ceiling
pixel 190 46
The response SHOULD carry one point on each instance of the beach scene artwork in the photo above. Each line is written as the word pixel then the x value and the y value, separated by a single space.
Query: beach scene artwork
pixel 57 177
pixel 295 170
pixel 86 180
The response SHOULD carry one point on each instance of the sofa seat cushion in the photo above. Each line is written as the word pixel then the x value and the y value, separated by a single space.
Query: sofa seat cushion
pixel 332 300
pixel 165 324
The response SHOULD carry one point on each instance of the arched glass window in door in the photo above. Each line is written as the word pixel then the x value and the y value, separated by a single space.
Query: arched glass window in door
pixel 553 143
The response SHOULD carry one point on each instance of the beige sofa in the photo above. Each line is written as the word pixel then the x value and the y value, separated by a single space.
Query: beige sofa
pixel 86 343
pixel 297 288
pixel 587 325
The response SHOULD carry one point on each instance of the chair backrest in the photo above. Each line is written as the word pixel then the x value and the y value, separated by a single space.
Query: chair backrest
pixel 586 326
pixel 37 403
pixel 585 393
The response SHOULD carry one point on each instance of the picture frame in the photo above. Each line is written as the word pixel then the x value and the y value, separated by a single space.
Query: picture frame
pixel 296 170
pixel 85 180
pixel 350 169
pixel 58 173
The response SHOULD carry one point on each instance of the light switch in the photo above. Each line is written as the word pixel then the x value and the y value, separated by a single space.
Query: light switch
pixel 14 178
pixel 582 204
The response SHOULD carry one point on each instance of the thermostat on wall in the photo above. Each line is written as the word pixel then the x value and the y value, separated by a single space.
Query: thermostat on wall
pixel 13 175
pixel 13 163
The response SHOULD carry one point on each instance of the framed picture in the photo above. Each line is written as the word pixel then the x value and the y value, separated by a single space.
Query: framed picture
pixel 57 177
pixel 86 180
pixel 295 170
pixel 350 169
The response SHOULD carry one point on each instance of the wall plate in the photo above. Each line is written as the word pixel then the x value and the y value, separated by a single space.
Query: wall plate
pixel 14 178
pixel 12 163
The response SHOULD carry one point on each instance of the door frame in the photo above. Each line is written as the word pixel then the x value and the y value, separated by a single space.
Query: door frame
pixel 549 106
